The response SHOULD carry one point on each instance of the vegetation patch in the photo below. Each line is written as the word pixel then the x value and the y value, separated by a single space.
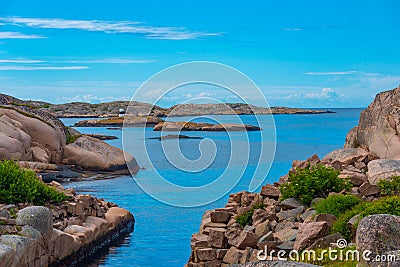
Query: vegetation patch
pixel 337 204
pixel 246 218
pixel 391 187
pixel 310 182
pixel 322 258
pixel 18 185
pixel 384 205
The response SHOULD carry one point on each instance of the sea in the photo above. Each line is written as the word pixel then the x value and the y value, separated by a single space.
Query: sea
pixel 163 228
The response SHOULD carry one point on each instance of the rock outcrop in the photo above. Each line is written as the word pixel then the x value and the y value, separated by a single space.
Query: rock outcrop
pixel 38 140
pixel 25 136
pixel 91 154
pixel 382 169
pixel 192 126
pixel 127 121
pixel 63 235
pixel 378 130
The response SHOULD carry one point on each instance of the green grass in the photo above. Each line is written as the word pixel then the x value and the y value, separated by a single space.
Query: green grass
pixel 71 138
pixel 391 187
pixel 246 218
pixel 384 205
pixel 45 106
pixel 18 185
pixel 310 182
pixel 23 105
pixel 327 262
pixel 337 204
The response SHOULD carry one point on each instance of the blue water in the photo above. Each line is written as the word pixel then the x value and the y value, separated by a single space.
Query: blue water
pixel 162 232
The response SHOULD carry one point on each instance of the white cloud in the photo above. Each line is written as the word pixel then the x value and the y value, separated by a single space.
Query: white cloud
pixel 20 61
pixel 321 98
pixel 351 72
pixel 18 35
pixel 132 27
pixel 43 67
pixel 112 61
pixel 91 98
pixel 101 60
pixel 293 29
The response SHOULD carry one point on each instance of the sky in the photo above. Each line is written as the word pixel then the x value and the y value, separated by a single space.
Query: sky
pixel 299 53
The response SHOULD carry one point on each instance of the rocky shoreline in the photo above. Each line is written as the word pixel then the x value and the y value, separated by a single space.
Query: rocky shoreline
pixel 60 235
pixel 273 224
pixel 69 232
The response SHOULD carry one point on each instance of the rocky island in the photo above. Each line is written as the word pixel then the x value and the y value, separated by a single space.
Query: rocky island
pixel 361 204
pixel 110 109
pixel 208 127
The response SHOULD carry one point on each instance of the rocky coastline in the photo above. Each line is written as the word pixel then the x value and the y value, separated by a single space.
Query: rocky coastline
pixel 64 234
pixel 58 233
pixel 272 223
pixel 42 142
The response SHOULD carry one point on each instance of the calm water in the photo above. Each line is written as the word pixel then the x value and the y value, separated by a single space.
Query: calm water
pixel 162 232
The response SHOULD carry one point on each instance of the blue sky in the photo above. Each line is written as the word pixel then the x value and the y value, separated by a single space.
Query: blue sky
pixel 300 53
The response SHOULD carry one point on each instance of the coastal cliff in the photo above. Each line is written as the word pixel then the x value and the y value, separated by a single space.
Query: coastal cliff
pixel 252 224
pixel 379 127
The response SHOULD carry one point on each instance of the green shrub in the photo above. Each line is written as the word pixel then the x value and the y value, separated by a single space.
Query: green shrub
pixel 384 205
pixel 19 185
pixel 246 218
pixel 341 223
pixel 391 187
pixel 336 204
pixel 45 106
pixel 318 181
pixel 71 138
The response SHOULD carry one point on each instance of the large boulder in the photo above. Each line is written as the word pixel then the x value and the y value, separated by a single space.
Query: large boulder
pixel 382 169
pixel 379 234
pixel 39 218
pixel 92 154
pixel 379 127
pixel 345 155
pixel 28 137
pixel 309 233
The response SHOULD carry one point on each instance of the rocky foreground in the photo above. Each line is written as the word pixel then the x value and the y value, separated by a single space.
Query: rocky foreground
pixel 60 235
pixel 371 154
